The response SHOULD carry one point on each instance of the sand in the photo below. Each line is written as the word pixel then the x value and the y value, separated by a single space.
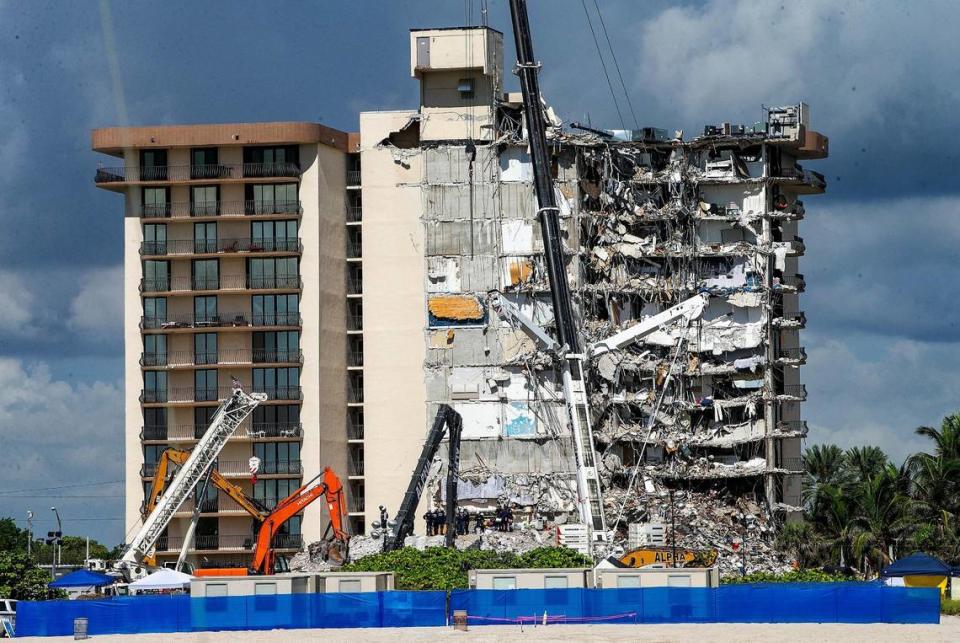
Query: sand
pixel 948 630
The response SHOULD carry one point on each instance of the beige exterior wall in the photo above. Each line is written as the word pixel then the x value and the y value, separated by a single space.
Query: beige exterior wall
pixel 394 308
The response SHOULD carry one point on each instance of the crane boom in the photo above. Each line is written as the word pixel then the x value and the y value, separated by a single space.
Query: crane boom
pixel 225 422
pixel 688 309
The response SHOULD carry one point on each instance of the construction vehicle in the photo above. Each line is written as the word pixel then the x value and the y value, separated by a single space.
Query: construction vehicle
pixel 450 420
pixel 664 557
pixel 269 521
pixel 137 558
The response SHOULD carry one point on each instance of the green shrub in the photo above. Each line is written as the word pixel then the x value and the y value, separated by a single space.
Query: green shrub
pixel 795 576
pixel 950 607
pixel 444 569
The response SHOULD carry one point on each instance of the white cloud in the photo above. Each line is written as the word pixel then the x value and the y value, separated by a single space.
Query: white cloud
pixel 97 308
pixel 852 57
pixel 16 304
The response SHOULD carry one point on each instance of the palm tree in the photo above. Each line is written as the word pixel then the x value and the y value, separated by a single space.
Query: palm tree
pixel 864 462
pixel 883 515
pixel 824 467
pixel 947 438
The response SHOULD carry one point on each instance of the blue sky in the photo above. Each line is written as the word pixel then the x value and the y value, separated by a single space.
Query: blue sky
pixel 882 332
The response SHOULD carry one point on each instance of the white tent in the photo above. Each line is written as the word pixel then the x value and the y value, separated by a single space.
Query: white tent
pixel 163 579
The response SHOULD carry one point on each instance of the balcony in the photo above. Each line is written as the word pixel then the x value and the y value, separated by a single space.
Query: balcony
pixel 211 172
pixel 354 286
pixel 227 357
pixel 188 394
pixel 794 427
pixel 354 430
pixel 355 358
pixel 246 431
pixel 356 504
pixel 223 282
pixel 794 465
pixel 353 178
pixel 798 355
pixel 227 542
pixel 793 391
pixel 793 281
pixel 354 249
pixel 355 394
pixel 187 209
pixel 236 468
pixel 354 322
pixel 354 214
pixel 355 466
pixel 221 320
pixel 219 246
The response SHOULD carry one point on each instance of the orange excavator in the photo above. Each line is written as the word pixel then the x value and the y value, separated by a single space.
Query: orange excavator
pixel 265 560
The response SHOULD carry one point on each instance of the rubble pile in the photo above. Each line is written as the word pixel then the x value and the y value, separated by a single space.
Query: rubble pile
pixel 311 559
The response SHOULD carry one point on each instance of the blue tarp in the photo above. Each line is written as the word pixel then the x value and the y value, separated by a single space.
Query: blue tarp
pixel 82 578
pixel 756 603
pixel 917 564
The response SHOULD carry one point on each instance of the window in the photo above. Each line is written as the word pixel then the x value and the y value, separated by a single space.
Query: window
pixel 154 424
pixel 204 237
pixel 504 582
pixel 272 198
pixel 156 276
pixel 204 200
pixel 154 312
pixel 152 453
pixel 216 590
pixel 678 581
pixel 275 272
pixel 155 239
pixel 556 582
pixel 276 310
pixel 264 589
pixel 274 235
pixel 276 421
pixel 205 310
pixel 202 417
pixel 278 457
pixel 156 202
pixel 155 386
pixel 153 165
pixel 628 580
pixel 466 89
pixel 205 385
pixel 351 585
pixel 154 350
pixel 281 346
pixel 277 383
pixel 206 274
pixel 270 492
pixel 204 163
pixel 205 348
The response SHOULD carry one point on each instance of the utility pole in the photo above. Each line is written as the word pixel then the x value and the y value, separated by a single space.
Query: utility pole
pixel 55 541
pixel 29 532
pixel 673 529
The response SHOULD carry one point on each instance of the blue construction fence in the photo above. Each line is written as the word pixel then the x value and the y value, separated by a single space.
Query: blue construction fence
pixel 757 603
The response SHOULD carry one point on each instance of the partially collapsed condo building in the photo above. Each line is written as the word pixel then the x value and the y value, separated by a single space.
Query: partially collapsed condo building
pixel 710 407
pixel 350 279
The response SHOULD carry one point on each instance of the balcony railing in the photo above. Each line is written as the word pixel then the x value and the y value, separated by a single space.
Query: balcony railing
pixel 798 391
pixel 354 286
pixel 218 246
pixel 208 172
pixel 356 504
pixel 354 214
pixel 793 464
pixel 354 430
pixel 355 467
pixel 223 356
pixel 186 394
pixel 794 354
pixel 220 320
pixel 247 430
pixel 221 282
pixel 240 468
pixel 355 394
pixel 794 281
pixel 354 322
pixel 228 542
pixel 184 209
pixel 353 177
pixel 355 358
pixel 793 426
pixel 354 249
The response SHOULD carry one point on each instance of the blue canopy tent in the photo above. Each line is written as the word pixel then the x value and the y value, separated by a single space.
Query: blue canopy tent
pixel 81 578
pixel 917 564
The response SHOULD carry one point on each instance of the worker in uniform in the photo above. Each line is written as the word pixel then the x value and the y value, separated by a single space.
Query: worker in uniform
pixel 428 519
pixel 478 523
pixel 383 517
pixel 441 518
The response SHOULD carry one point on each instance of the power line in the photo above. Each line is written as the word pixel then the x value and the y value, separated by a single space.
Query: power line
pixel 603 65
pixel 60 496
pixel 7 492
pixel 616 63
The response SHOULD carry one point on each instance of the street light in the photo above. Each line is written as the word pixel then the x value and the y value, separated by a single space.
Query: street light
pixel 56 543
pixel 29 532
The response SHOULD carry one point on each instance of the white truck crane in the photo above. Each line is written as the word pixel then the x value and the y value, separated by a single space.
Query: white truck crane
pixel 590 498
pixel 134 562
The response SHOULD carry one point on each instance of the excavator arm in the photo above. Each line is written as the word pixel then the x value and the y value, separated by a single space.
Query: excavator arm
pixel 178 457
pixel 329 487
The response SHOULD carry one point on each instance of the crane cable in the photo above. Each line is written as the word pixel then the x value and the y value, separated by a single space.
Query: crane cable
pixel 603 25
pixel 603 64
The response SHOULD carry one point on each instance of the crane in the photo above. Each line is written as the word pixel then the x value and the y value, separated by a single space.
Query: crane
pixel 268 520
pixel 228 417
pixel 450 420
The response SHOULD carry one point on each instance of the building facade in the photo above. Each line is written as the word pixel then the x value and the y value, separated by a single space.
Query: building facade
pixel 649 221
pixel 234 267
